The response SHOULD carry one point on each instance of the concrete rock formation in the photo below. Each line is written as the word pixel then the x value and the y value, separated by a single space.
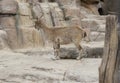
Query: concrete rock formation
pixel 8 7
pixel 17 19
pixel 21 61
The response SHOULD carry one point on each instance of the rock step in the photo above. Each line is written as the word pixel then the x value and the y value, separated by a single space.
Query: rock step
pixel 92 50
pixel 94 23
pixel 21 68
pixel 97 36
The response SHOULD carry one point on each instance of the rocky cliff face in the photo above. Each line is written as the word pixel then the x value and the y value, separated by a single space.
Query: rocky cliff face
pixel 17 28
pixel 35 65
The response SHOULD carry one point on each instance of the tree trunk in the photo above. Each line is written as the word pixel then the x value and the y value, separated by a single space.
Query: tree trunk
pixel 108 72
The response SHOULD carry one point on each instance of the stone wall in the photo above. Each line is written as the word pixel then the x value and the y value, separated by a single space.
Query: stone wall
pixel 8 12
pixel 17 20
pixel 28 35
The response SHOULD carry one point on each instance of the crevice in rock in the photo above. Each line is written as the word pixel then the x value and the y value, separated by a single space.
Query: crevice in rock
pixel 100 10
pixel 7 14
pixel 40 1
pixel 52 0
pixel 52 18
pixel 64 75
pixel 5 80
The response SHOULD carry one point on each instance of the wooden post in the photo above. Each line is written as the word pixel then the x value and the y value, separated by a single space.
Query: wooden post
pixel 108 71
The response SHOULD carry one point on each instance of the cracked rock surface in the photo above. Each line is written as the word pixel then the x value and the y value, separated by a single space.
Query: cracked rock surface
pixel 36 66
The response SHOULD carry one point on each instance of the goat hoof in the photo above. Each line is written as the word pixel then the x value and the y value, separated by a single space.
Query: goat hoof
pixel 57 58
pixel 53 59
pixel 79 58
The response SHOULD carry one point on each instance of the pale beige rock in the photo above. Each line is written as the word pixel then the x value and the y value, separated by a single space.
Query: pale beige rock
pixel 37 12
pixel 3 40
pixel 53 15
pixel 79 74
pixel 8 22
pixel 24 9
pixel 25 15
pixel 67 2
pixel 75 21
pixel 23 1
pixel 90 1
pixel 57 15
pixel 1 28
pixel 25 21
pixel 96 24
pixel 71 11
pixel 36 66
pixel 97 36
pixel 30 37
pixel 90 23
pixel 8 6
pixel 47 14
pixel 73 15
pixel 93 21
pixel 24 38
pixel 101 28
pixel 12 38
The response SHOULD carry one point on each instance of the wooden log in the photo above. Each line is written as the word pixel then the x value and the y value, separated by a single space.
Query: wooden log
pixel 108 65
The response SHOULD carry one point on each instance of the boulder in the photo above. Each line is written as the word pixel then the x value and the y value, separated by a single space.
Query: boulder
pixel 91 50
pixel 25 21
pixel 25 15
pixel 53 15
pixel 75 21
pixel 68 53
pixel 24 9
pixel 84 74
pixel 8 22
pixel 20 1
pixel 8 7
pixel 90 1
pixel 68 2
pixel 1 28
pixel 23 38
pixel 3 40
pixel 85 12
pixel 101 28
pixel 89 23
pixel 57 15
pixel 12 38
pixel 47 14
pixel 30 37
pixel 70 12
pixel 72 15
pixel 94 49
pixel 97 36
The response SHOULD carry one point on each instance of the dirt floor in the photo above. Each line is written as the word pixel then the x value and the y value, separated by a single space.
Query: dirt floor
pixel 36 66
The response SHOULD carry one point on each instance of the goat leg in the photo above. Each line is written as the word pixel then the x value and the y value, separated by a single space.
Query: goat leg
pixel 80 54
pixel 80 49
pixel 57 49
pixel 56 54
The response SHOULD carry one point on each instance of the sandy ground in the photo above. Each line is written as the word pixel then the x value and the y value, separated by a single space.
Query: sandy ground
pixel 36 66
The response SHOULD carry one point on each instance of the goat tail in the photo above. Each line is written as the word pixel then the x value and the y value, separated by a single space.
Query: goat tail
pixel 85 34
